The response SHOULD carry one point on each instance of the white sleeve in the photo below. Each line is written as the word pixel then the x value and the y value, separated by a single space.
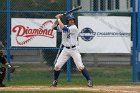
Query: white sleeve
pixel 73 29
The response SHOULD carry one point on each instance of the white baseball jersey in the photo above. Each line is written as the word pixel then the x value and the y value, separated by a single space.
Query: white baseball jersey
pixel 69 39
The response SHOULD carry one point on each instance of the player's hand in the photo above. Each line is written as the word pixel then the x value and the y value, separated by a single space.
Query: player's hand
pixel 11 68
pixel 59 16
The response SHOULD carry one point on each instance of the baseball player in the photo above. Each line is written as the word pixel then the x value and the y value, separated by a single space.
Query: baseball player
pixel 69 40
pixel 3 65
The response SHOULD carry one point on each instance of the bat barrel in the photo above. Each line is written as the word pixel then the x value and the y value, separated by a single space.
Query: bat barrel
pixel 75 9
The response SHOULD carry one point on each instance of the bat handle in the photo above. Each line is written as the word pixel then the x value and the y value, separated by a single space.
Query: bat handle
pixel 65 13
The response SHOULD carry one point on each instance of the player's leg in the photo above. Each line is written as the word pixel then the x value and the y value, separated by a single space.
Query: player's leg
pixel 78 61
pixel 63 57
pixel 2 76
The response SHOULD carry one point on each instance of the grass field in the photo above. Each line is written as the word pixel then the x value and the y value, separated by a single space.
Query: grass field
pixel 39 74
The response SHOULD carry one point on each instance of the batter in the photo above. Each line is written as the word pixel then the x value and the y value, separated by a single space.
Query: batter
pixel 69 40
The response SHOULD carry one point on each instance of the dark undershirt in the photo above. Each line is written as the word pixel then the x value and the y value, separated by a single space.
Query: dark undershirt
pixel 2 60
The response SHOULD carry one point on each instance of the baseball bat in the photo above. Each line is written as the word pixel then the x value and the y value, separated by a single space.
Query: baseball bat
pixel 75 9
pixel 68 12
pixel 57 54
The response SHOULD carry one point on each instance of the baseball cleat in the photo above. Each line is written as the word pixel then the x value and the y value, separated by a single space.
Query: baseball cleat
pixel 54 84
pixel 2 85
pixel 90 83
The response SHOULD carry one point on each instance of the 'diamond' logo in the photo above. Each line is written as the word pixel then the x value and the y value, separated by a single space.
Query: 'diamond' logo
pixel 25 34
pixel 87 34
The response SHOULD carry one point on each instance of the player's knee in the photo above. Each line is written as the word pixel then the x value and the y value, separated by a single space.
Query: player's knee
pixel 80 68
pixel 57 68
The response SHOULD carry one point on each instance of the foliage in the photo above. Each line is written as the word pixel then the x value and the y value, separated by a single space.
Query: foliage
pixel 42 5
pixel 3 29
pixel 120 14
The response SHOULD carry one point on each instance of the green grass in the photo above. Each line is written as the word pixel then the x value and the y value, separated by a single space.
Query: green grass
pixel 40 74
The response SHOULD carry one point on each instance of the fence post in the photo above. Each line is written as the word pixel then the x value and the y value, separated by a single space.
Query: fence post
pixel 139 40
pixel 8 36
pixel 134 42
pixel 69 70
pixel 68 62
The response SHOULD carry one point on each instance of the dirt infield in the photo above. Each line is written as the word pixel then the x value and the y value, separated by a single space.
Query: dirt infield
pixel 108 89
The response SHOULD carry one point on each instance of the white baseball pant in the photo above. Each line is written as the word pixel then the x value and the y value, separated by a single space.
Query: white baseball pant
pixel 66 54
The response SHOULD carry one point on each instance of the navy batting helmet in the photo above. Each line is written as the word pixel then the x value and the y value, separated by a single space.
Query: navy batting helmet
pixel 69 17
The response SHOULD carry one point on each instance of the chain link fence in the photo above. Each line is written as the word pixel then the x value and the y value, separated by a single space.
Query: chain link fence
pixel 36 64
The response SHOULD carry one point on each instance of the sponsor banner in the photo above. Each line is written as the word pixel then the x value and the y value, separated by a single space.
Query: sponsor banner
pixel 29 32
pixel 104 34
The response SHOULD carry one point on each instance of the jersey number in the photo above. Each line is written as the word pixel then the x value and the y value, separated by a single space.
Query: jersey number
pixel 68 35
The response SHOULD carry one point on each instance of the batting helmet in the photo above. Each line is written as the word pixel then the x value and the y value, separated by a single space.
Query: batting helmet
pixel 69 17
